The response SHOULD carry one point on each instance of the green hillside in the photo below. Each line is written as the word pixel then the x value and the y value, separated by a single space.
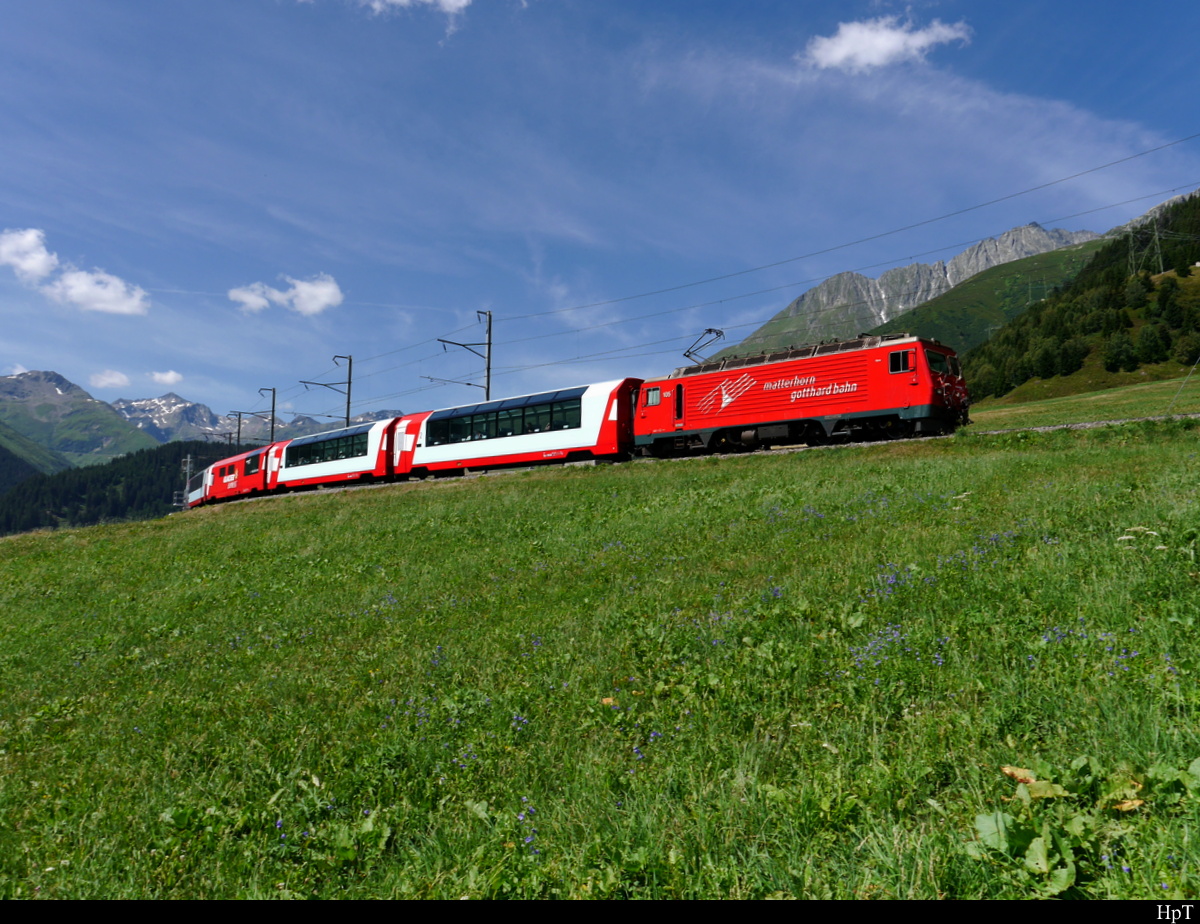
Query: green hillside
pixel 967 315
pixel 13 470
pixel 967 671
pixel 1037 403
pixel 38 457
pixel 1121 314
pixel 82 435
pixel 137 486
pixel 55 413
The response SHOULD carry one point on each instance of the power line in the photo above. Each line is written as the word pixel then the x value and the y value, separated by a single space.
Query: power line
pixel 862 240
pixel 695 306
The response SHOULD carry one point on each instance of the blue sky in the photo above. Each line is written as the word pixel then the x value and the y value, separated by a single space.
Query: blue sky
pixel 212 198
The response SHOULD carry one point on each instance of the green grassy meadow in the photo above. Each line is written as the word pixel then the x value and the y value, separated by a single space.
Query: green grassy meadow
pixel 1141 394
pixel 959 668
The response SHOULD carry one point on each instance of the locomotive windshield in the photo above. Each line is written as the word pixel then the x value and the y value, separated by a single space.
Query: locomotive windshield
pixel 942 364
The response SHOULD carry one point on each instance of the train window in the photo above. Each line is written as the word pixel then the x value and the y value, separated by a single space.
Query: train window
pixel 252 465
pixel 902 361
pixel 679 402
pixel 937 362
pixel 568 415
pixel 460 429
pixel 564 414
pixel 955 368
pixel 330 450
pixel 508 421
pixel 483 426
pixel 652 397
pixel 538 417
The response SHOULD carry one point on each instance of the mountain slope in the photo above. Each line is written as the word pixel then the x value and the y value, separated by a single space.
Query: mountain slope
pixel 171 417
pixel 136 486
pixel 58 414
pixel 965 316
pixel 13 470
pixel 1135 307
pixel 41 459
pixel 849 302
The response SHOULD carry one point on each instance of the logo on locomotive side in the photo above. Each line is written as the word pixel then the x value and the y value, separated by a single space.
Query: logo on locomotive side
pixel 796 381
pixel 725 393
pixel 805 386
pixel 820 391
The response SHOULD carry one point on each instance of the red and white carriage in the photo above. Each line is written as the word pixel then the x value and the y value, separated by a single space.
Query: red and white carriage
pixel 571 424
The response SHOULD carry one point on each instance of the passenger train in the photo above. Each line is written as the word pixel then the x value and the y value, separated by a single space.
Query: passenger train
pixel 872 387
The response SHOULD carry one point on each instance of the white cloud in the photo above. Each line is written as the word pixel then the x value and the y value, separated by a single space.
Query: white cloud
pixel 166 378
pixel 97 290
pixel 315 295
pixel 862 46
pixel 449 7
pixel 25 251
pixel 306 296
pixel 109 378
pixel 256 296
pixel 18 369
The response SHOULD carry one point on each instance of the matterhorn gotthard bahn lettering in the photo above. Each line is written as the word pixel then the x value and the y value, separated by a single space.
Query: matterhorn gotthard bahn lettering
pixel 803 386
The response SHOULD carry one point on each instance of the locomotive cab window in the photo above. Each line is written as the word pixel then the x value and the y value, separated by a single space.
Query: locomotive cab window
pixel 902 361
pixel 938 362
pixel 653 396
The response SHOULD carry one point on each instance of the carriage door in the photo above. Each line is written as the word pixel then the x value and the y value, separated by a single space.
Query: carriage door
pixel 904 363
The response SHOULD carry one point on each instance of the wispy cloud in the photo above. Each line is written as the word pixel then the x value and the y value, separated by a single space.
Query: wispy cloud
pixel 92 290
pixel 17 369
pixel 863 46
pixel 449 7
pixel 166 378
pixel 306 296
pixel 109 378
pixel 453 9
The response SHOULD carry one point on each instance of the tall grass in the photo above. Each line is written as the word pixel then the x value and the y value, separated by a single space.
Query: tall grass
pixel 764 676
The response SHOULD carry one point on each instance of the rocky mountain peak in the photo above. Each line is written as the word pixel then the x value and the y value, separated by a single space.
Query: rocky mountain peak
pixel 34 383
pixel 847 303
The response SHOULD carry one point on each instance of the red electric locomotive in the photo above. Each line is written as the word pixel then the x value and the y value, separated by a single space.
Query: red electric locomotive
pixel 889 386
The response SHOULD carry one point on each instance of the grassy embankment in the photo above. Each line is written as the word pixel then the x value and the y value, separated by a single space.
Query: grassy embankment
pixel 792 675
pixel 1091 395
